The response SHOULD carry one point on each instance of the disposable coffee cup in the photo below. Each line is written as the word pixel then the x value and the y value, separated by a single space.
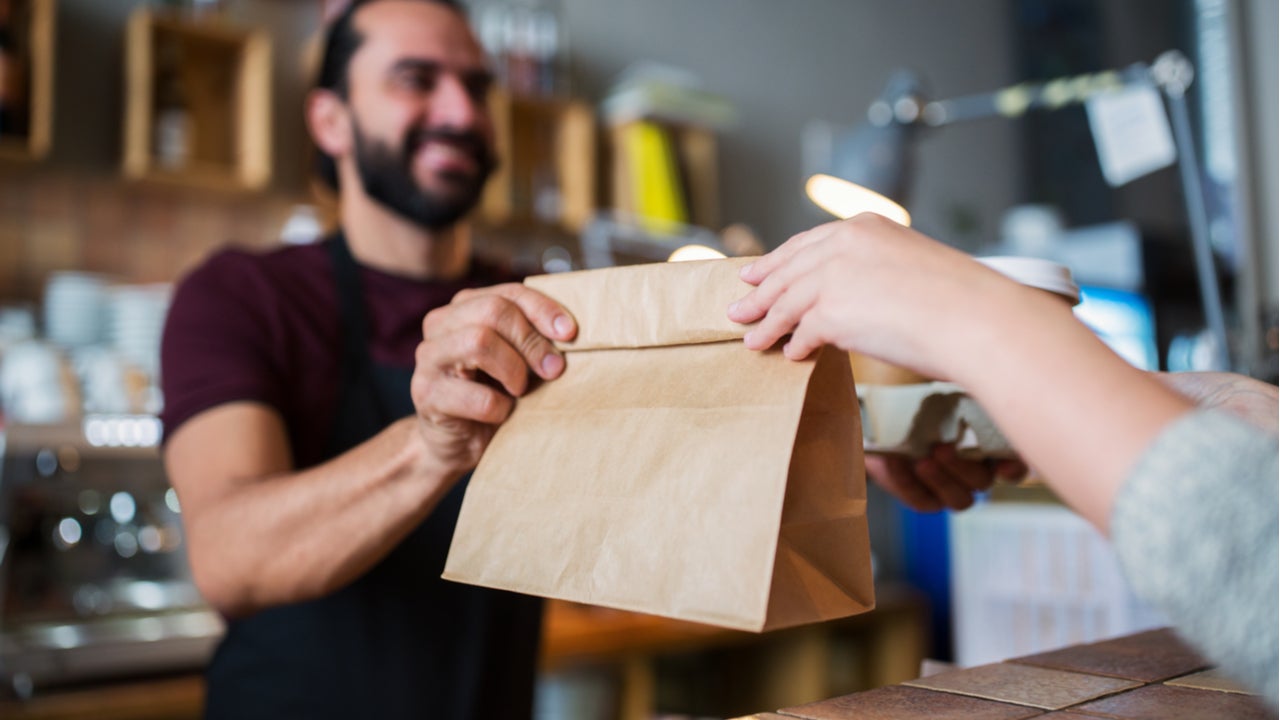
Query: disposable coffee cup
pixel 870 371
pixel 1046 275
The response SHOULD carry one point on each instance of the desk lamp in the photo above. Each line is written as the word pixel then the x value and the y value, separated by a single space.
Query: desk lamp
pixel 871 165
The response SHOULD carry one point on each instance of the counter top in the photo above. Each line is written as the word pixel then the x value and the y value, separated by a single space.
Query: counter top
pixel 172 698
pixel 573 635
pixel 1147 675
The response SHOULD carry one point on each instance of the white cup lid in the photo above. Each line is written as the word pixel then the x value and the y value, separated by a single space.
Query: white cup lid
pixel 1037 273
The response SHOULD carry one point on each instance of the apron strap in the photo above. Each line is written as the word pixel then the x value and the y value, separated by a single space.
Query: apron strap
pixel 360 394
pixel 350 293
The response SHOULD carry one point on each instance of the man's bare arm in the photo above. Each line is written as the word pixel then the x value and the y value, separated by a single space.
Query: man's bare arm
pixel 261 534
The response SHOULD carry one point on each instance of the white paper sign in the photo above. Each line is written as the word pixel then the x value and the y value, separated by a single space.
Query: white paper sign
pixel 1131 132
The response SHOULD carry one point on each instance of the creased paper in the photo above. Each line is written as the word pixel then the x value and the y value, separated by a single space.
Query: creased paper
pixel 672 471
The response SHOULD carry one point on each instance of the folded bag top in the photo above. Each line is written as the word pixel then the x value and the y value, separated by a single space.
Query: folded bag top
pixel 672 471
pixel 654 305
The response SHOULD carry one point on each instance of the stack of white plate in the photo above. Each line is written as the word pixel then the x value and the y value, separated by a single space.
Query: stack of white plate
pixel 73 303
pixel 135 321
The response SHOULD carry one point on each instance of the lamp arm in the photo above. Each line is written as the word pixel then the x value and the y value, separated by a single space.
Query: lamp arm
pixel 1198 219
pixel 1172 73
pixel 1017 100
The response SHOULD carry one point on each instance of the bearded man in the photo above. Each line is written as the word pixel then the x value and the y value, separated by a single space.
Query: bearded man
pixel 325 403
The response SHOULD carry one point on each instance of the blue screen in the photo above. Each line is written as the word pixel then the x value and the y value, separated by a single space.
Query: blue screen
pixel 1124 321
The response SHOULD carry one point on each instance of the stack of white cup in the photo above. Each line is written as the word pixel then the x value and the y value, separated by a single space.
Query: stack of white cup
pixel 73 303
pixel 135 322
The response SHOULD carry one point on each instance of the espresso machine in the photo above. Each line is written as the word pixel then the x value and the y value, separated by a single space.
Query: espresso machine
pixel 94 581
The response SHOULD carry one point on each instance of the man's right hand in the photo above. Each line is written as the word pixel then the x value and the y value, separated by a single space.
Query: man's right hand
pixel 474 360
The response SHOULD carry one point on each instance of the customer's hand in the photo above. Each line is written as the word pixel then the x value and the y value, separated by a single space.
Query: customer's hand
pixel 1251 400
pixel 868 285
pixel 872 286
pixel 475 358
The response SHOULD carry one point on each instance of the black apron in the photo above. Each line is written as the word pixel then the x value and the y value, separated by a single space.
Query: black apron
pixel 398 642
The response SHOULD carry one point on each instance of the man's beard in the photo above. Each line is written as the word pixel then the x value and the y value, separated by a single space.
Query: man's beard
pixel 387 176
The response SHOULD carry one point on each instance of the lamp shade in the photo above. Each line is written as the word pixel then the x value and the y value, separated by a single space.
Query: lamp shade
pixel 875 157
pixel 845 199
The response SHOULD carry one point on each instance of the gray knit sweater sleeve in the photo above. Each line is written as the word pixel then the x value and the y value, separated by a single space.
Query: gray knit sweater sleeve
pixel 1195 528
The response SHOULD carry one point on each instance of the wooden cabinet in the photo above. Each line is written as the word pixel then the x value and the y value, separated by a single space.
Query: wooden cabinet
pixel 28 70
pixel 547 173
pixel 217 77
pixel 720 671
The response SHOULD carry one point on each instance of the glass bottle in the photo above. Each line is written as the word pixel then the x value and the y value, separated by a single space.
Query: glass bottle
pixel 173 125
pixel 529 38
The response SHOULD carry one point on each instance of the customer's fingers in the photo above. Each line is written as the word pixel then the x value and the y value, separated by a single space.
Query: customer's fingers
pixel 782 299
pixel 756 272
pixel 767 263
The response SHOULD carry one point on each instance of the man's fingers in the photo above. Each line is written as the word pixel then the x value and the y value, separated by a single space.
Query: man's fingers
pixel 547 315
pixel 449 402
pixel 1011 470
pixel 950 491
pixel 477 347
pixel 516 329
pixel 506 310
pixel 973 474
pixel 893 473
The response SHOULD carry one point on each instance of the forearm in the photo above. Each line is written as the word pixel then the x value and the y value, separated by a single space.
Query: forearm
pixel 300 535
pixel 1077 412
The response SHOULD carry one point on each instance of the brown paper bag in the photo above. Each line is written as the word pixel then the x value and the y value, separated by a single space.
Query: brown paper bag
pixel 672 471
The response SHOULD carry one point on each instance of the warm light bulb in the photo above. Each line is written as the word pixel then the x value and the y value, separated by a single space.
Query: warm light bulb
pixel 695 252
pixel 845 199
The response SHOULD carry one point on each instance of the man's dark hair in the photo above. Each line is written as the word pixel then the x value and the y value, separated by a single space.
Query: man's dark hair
pixel 341 42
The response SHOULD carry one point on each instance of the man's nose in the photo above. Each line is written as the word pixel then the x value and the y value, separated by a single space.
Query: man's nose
pixel 452 105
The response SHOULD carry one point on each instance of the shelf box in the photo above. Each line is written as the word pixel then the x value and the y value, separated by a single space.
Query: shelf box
pixel 38 37
pixel 546 175
pixel 225 72
pixel 696 155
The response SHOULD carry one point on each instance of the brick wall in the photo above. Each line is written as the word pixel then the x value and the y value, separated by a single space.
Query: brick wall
pixel 52 220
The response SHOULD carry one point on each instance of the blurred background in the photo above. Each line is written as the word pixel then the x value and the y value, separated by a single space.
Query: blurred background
pixel 136 136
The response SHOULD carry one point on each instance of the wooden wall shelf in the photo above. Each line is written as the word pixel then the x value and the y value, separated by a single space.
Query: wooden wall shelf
pixel 225 75
pixel 548 163
pixel 36 39
pixel 695 152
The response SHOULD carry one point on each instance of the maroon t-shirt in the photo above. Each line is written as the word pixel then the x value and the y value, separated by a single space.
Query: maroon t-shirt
pixel 265 327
